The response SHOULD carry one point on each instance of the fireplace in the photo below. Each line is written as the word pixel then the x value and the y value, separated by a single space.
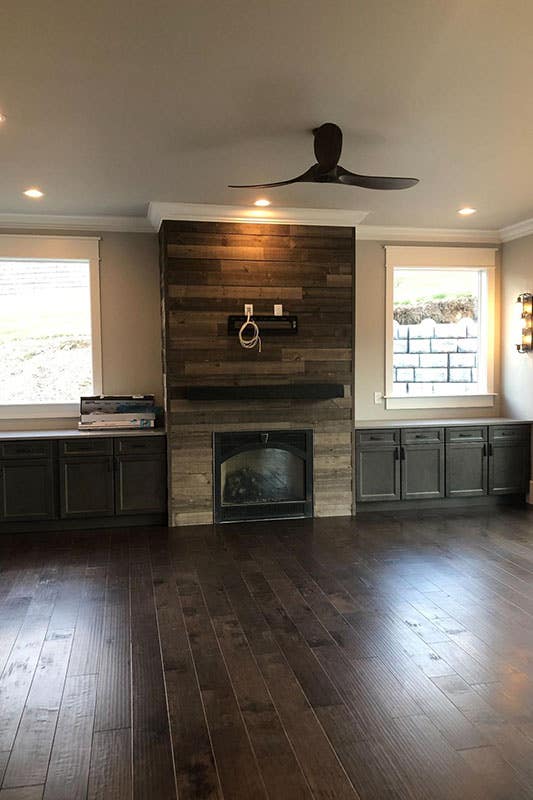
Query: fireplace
pixel 263 475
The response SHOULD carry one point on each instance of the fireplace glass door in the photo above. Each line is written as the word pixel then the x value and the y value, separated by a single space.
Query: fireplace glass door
pixel 262 475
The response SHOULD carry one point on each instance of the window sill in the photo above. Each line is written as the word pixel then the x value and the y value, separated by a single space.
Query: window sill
pixel 448 401
pixel 40 411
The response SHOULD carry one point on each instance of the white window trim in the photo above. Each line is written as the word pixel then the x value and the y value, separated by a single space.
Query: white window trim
pixel 59 248
pixel 475 258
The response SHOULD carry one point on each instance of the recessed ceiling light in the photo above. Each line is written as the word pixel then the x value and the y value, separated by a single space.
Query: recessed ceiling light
pixel 34 193
pixel 262 202
pixel 466 211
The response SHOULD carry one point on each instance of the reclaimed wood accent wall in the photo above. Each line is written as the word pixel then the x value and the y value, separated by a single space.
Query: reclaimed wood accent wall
pixel 209 270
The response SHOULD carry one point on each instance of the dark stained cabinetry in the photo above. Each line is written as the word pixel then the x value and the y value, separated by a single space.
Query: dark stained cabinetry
pixel 435 462
pixel 508 459
pixel 422 463
pixel 140 476
pixel 93 478
pixel 466 462
pixel 27 481
pixel 86 479
pixel 378 465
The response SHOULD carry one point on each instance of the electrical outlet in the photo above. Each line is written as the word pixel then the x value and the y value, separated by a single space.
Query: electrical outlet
pixel 378 397
pixel 248 308
pixel 278 310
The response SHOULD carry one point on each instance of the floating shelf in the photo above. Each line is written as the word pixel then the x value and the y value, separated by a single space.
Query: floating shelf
pixel 295 391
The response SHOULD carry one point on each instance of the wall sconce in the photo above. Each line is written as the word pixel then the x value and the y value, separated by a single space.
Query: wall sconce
pixel 524 322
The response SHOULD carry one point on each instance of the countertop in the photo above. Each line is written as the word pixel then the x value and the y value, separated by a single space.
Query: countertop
pixel 444 423
pixel 76 434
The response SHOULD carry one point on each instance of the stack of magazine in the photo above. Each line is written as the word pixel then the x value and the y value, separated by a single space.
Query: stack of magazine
pixel 105 412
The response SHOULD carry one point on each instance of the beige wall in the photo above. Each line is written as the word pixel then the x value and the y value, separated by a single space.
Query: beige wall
pixel 131 328
pixel 517 368
pixel 370 342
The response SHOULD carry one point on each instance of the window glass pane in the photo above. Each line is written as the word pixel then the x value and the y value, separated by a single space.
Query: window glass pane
pixel 45 331
pixel 436 328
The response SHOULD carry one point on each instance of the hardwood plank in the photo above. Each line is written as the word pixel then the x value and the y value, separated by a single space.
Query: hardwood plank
pixel 113 704
pixel 278 765
pixel 22 793
pixel 28 763
pixel 110 769
pixel 153 767
pixel 85 656
pixel 196 774
pixel 489 763
pixel 235 758
pixel 68 771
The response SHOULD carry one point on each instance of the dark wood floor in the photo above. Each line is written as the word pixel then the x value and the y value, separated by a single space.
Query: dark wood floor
pixel 371 659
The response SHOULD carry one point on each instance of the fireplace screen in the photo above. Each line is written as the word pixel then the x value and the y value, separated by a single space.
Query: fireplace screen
pixel 268 475
pixel 262 475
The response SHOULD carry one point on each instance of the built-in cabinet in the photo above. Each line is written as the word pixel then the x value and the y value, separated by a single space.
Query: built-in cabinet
pixel 82 478
pixel 433 462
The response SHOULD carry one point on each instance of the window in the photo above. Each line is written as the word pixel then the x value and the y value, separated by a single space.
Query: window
pixel 440 306
pixel 49 325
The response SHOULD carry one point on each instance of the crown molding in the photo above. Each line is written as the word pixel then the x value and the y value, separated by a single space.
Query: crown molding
pixel 200 212
pixel 74 223
pixel 384 233
pixel 517 231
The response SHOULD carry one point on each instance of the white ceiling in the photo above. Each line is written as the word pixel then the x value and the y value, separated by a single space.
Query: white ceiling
pixel 113 104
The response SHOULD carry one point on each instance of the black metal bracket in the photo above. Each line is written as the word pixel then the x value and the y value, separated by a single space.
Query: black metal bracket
pixel 269 324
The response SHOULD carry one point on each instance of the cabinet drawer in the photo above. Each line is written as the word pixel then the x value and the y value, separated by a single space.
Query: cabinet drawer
pixel 378 437
pixel 31 449
pixel 462 435
pixel 422 435
pixel 139 444
pixel 85 447
pixel 508 433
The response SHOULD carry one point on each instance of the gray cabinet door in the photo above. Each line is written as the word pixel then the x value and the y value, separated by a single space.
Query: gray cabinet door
pixel 466 469
pixel 27 490
pixel 140 484
pixel 86 487
pixel 422 471
pixel 509 467
pixel 378 474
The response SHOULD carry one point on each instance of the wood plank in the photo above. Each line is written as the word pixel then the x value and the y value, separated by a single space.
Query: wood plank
pixel 236 761
pixel 68 771
pixel 28 763
pixel 22 793
pixel 110 769
pixel 153 767
pixel 196 774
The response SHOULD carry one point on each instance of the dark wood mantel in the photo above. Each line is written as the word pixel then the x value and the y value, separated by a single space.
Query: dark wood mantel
pixel 282 391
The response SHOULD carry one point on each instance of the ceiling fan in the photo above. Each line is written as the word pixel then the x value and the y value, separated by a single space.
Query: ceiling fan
pixel 328 147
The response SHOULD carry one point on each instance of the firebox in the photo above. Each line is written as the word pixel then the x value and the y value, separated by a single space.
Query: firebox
pixel 262 475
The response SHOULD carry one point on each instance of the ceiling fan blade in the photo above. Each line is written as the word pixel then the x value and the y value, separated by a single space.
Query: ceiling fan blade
pixel 305 177
pixel 328 146
pixel 374 181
